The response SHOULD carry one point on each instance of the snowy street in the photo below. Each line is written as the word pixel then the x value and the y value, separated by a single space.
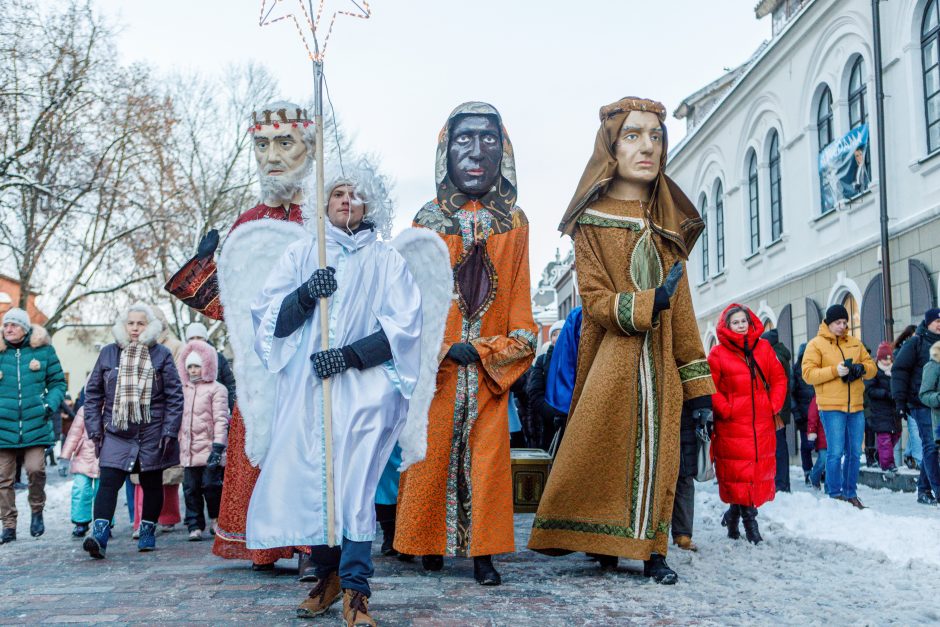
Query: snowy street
pixel 873 567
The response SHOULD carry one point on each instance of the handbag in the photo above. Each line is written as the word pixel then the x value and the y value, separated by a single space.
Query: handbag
pixel 705 466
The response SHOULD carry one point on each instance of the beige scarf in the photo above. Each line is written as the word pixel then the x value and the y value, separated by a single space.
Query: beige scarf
pixel 134 387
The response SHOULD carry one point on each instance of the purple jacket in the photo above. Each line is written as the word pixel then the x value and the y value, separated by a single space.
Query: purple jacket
pixel 140 442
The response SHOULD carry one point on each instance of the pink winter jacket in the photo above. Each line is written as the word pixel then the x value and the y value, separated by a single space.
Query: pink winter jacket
pixel 205 408
pixel 80 449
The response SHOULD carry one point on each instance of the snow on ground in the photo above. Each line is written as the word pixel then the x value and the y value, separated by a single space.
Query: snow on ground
pixel 822 563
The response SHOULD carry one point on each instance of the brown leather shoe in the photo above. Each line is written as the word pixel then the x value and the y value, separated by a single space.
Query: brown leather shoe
pixel 356 609
pixel 324 594
pixel 856 502
pixel 685 543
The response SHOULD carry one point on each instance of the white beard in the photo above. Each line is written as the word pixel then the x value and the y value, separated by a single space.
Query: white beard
pixel 284 186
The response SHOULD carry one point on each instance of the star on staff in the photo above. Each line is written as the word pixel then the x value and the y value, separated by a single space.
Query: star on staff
pixel 311 27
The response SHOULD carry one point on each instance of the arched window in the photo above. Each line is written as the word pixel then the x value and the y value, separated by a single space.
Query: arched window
pixel 855 315
pixel 753 203
pixel 858 115
pixel 703 207
pixel 929 46
pixel 719 227
pixel 776 200
pixel 824 138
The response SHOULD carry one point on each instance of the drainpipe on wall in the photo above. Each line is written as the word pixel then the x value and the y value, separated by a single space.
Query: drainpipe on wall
pixel 882 176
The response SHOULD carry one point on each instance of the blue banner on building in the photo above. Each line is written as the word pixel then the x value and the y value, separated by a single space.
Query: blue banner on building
pixel 845 168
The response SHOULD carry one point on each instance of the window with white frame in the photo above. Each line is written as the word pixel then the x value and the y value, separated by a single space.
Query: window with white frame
pixel 930 56
pixel 776 200
pixel 824 138
pixel 703 207
pixel 719 227
pixel 753 202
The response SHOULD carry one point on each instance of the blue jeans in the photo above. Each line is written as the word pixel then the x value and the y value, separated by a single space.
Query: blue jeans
pixel 929 470
pixel 353 561
pixel 914 447
pixel 845 433
pixel 129 497
pixel 815 473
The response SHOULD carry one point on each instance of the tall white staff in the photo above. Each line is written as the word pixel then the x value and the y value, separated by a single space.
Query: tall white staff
pixel 316 53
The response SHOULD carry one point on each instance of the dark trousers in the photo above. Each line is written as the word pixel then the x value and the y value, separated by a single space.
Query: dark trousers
pixel 806 451
pixel 202 490
pixel 683 510
pixel 112 480
pixel 929 479
pixel 353 561
pixel 782 478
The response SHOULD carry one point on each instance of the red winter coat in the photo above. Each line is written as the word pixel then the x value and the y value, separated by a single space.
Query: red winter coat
pixel 745 441
pixel 814 425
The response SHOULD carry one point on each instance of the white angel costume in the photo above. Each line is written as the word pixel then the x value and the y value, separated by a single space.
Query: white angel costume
pixel 377 290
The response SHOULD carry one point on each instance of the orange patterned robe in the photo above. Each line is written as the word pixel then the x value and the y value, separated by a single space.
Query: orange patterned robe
pixel 458 501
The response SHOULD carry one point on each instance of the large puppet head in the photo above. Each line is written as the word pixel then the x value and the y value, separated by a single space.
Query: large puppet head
pixel 357 193
pixel 284 142
pixel 631 148
pixel 475 160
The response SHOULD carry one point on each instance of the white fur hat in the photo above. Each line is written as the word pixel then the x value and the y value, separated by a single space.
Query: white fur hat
pixel 196 329
pixel 193 359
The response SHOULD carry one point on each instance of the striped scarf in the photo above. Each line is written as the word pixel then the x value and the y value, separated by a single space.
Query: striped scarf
pixel 134 387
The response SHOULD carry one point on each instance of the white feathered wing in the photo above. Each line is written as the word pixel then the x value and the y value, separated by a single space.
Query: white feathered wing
pixel 429 263
pixel 248 256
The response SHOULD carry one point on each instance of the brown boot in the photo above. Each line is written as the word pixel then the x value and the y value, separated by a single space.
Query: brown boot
pixel 685 543
pixel 323 595
pixel 356 609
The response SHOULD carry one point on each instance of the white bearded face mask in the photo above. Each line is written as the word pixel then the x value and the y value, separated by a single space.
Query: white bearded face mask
pixel 284 161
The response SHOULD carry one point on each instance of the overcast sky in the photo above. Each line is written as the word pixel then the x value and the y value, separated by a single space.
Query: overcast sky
pixel 548 66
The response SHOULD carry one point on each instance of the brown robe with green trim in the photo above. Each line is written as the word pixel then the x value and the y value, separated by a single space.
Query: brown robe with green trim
pixel 612 486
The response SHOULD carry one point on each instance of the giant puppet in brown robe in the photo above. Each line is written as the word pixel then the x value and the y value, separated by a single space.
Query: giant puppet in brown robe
pixel 612 485
pixel 283 138
pixel 458 501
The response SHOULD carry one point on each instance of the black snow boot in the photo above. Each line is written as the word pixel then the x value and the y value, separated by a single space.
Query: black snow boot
pixel 432 563
pixel 730 519
pixel 50 455
pixel 749 514
pixel 9 535
pixel 36 526
pixel 606 562
pixel 385 515
pixel 484 571
pixel 657 568
pixel 80 530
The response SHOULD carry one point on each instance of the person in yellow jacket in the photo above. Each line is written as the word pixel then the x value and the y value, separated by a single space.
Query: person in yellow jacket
pixel 835 364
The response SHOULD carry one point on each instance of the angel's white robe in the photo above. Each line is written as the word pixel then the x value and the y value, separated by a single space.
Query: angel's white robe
pixel 376 290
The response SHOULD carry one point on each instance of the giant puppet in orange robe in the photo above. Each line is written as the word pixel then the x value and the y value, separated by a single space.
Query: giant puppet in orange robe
pixel 458 501
pixel 283 139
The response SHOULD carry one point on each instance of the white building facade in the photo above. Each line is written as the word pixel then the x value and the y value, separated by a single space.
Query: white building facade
pixel 751 166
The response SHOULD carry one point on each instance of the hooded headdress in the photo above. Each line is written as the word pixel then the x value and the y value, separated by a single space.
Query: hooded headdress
pixel 501 199
pixel 670 213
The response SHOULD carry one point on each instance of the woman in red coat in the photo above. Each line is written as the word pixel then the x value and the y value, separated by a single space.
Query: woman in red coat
pixel 751 388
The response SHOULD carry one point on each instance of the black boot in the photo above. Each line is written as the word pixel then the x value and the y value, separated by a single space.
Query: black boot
pixel 730 520
pixel 749 514
pixel 484 572
pixel 432 563
pixel 657 568
pixel 36 526
pixel 385 515
pixel 606 562
pixel 50 455
pixel 9 535
pixel 80 530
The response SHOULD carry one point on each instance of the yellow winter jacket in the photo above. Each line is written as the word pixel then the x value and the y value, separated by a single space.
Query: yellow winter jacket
pixel 823 353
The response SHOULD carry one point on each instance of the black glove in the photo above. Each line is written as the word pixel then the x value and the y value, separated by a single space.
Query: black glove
pixel 902 411
pixel 856 372
pixel 207 244
pixel 322 283
pixel 215 457
pixel 166 447
pixel 329 362
pixel 705 421
pixel 97 442
pixel 668 289
pixel 463 353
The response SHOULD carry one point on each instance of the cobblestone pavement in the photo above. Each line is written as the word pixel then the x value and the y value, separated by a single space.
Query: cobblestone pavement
pixel 784 581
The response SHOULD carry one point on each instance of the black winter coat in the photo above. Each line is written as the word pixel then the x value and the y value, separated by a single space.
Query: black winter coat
pixel 688 444
pixel 881 416
pixel 801 392
pixel 227 378
pixel 140 442
pixel 784 357
pixel 542 414
pixel 908 368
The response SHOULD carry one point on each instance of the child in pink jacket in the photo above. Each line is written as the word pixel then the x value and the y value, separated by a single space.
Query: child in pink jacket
pixel 78 453
pixel 203 435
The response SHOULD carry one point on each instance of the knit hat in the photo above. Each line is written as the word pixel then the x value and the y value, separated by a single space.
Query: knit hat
pixel 193 359
pixel 197 329
pixel 556 327
pixel 836 312
pixel 885 350
pixel 930 316
pixel 19 317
